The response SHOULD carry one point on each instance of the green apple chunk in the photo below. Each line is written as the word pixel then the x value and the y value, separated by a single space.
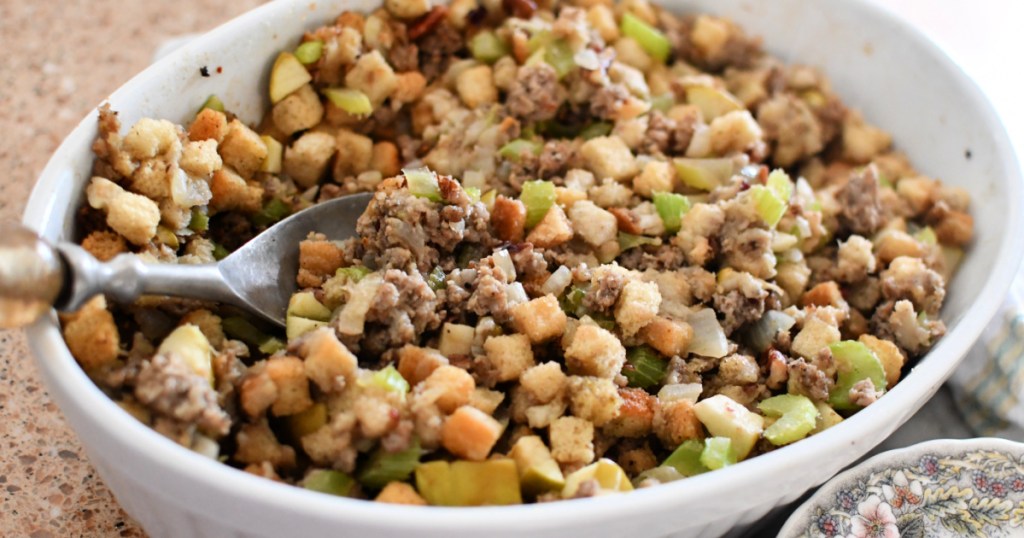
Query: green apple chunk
pixel 704 174
pixel 189 343
pixel 305 305
pixel 287 75
pixel 796 418
pixel 469 483
pixel 712 102
pixel 296 326
pixel 610 477
pixel 538 471
pixel 855 362
pixel 725 417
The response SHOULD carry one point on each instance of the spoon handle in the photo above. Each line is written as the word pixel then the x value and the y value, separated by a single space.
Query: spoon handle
pixel 35 276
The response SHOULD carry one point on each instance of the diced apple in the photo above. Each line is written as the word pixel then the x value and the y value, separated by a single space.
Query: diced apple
pixel 827 417
pixel 305 305
pixel 609 476
pixel 296 326
pixel 272 163
pixel 724 417
pixel 704 174
pixel 456 339
pixel 712 102
pixel 287 75
pixel 469 483
pixel 538 471
pixel 189 343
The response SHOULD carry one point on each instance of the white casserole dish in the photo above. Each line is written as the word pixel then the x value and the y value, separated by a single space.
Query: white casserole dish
pixel 901 82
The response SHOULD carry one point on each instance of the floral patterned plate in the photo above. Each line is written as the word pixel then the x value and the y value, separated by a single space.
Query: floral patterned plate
pixel 941 488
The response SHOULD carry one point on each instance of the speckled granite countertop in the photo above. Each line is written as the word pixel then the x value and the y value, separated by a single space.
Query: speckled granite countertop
pixel 61 59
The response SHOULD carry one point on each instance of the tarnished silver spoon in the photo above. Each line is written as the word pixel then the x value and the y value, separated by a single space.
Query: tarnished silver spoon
pixel 258 277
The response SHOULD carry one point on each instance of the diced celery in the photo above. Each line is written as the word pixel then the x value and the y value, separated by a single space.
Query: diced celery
pixel 768 205
pixel 560 56
pixel 241 329
pixel 704 174
pixel 354 273
pixel 628 241
pixel 200 221
pixel 219 252
pixel 539 40
pixel 329 481
pixel 310 51
pixel 779 183
pixel 487 47
pixel 644 367
pixel 926 236
pixel 387 378
pixel 423 183
pixel 652 40
pixel 384 466
pixel 213 103
pixel 274 210
pixel 275 152
pixel 796 418
pixel 671 208
pixel 717 453
pixel 473 193
pixel 663 102
pixel 514 149
pixel 538 197
pixel 350 100
pixel 595 130
pixel 685 459
pixel 854 362
pixel 572 301
pixel 436 279
pixel 488 199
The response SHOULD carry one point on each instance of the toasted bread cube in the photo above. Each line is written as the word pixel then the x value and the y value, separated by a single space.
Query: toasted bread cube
pixel 306 160
pixel 657 176
pixel 469 433
pixel 200 159
pixel 476 86
pixel 409 87
pixel 602 19
pixel 507 357
pixel 209 125
pixel 318 259
pixel 671 338
pixel 553 230
pixel 92 335
pixel 149 138
pixel 407 9
pixel 608 156
pixel 104 245
pixel 385 159
pixel 544 383
pixel 862 142
pixel 299 111
pixel 541 319
pixel 637 305
pixel 486 400
pixel 595 399
pixel 824 294
pixel 208 323
pixel 355 152
pixel 328 363
pixel 400 493
pixel 566 197
pixel 231 192
pixel 636 414
pixel 505 71
pixel 956 228
pixel 629 52
pixel 289 376
pixel 675 422
pixel 891 244
pixel 815 336
pixel 595 225
pixel 133 216
pixel 595 352
pixel 417 363
pixel 257 392
pixel 373 76
pixel 450 387
pixel 508 218
pixel 889 354
pixel 572 441
pixel 257 444
pixel 242 149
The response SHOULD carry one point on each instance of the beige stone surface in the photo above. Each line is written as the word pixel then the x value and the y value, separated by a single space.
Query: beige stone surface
pixel 61 58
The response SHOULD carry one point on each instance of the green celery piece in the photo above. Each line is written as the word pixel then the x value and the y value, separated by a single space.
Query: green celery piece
pixel 796 414
pixel 628 241
pixel 560 56
pixel 352 101
pixel 768 205
pixel 539 40
pixel 219 252
pixel 384 467
pixel 671 208
pixel 423 183
pixel 663 102
pixel 538 197
pixel 595 130
pixel 329 481
pixel 717 453
pixel 241 329
pixel 200 221
pixel 854 362
pixel 309 52
pixel 652 40
pixel 436 279
pixel 387 378
pixel 644 367
pixel 354 273
pixel 514 149
pixel 704 174
pixel 473 193
pixel 487 47
pixel 885 182
pixel 926 236
pixel 779 183
pixel 686 458
pixel 572 301
pixel 274 210
pixel 214 103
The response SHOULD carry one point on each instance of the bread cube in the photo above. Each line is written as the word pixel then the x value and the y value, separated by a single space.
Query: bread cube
pixel 675 422
pixel 602 19
pixel 595 351
pixel 257 392
pixel 657 176
pixel 208 125
pixel 595 399
pixel 544 383
pixel 231 192
pixel 671 338
pixel 553 230
pixel 608 156
pixel 104 245
pixel 328 363
pixel 289 375
pixel 355 152
pixel 595 225
pixel 409 86
pixel 572 441
pixel 889 354
pixel 92 335
pixel 508 219
pixel 400 493
pixel 385 159
pixel 299 111
pixel 200 159
pixel 149 138
pixel 815 336
pixel 470 434
pixel 449 387
pixel 417 363
pixel 486 400
pixel 373 76
pixel 637 305
pixel 319 259
pixel 734 132
pixel 133 216
pixel 541 319
pixel 636 414
pixel 257 444
pixel 506 357
pixel 476 86
pixel 242 149
pixel 306 160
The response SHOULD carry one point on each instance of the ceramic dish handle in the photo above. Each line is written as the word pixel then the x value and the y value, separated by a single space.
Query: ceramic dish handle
pixel 36 276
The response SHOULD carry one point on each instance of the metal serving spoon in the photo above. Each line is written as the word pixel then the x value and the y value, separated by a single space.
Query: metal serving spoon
pixel 258 277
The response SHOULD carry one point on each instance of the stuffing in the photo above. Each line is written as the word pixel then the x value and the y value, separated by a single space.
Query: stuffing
pixel 675 422
pixel 400 492
pixel 200 159
pixel 541 319
pixel 594 399
pixel 242 149
pixel 469 433
pixel 373 76
pixel 289 376
pixel 476 86
pixel 656 176
pixel 448 387
pixel 91 335
pixel 595 225
pixel 319 259
pixel 306 159
pixel 637 306
pixel 572 441
pixel 299 111
pixel 671 338
pixel 544 383
pixel 891 357
pixel 816 335
pixel 553 230
pixel 327 362
pixel 385 159
pixel 209 125
pixel 133 216
pixel 355 153
pixel 417 363
pixel 595 352
pixel 104 245
pixel 231 192
pixel 856 260
pixel 506 357
pixel 609 157
pixel 636 414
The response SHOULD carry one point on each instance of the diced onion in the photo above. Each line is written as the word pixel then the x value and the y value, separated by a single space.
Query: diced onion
pixel 516 294
pixel 558 281
pixel 680 391
pixel 352 317
pixel 502 260
pixel 708 336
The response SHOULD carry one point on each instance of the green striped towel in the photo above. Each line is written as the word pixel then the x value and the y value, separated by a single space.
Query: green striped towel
pixel 989 385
